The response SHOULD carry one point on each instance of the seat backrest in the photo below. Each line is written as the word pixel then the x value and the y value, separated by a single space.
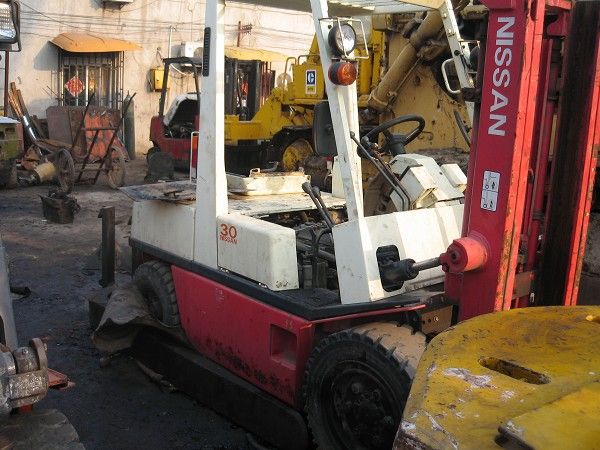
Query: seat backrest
pixel 323 135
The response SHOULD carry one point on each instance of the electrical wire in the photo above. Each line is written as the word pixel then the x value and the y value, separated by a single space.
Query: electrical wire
pixel 132 28
pixel 140 7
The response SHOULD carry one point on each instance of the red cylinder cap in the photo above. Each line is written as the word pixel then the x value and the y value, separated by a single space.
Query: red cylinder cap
pixel 464 255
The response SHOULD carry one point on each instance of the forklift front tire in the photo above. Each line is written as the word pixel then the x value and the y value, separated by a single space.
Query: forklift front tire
pixel 357 382
pixel 151 151
pixel 155 282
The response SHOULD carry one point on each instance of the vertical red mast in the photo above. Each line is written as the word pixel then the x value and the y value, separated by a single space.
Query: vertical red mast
pixel 482 263
pixel 524 232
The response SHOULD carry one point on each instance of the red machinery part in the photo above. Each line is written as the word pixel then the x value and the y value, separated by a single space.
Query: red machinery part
pixel 503 136
pixel 262 344
pixel 343 73
pixel 464 255
pixel 533 234
pixel 179 148
pixel 267 346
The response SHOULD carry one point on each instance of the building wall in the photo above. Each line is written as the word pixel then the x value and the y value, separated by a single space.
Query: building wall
pixel 148 23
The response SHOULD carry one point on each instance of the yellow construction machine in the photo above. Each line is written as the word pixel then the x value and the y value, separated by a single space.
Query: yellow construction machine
pixel 399 73
pixel 402 70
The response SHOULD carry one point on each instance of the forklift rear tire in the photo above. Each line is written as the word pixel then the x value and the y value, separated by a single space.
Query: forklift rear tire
pixel 357 382
pixel 155 282
pixel 151 151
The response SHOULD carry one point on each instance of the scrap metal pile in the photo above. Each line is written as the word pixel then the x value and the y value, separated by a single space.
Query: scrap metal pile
pixel 71 142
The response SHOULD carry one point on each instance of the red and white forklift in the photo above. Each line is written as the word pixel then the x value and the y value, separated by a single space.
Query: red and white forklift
pixel 301 310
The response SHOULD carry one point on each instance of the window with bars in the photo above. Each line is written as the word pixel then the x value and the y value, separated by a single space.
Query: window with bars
pixel 82 74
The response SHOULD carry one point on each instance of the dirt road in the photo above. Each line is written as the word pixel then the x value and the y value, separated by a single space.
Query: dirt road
pixel 115 407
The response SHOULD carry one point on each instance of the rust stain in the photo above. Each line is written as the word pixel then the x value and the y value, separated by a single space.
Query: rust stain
pixel 229 358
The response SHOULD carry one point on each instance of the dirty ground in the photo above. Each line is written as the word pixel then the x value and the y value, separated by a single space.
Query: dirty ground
pixel 117 406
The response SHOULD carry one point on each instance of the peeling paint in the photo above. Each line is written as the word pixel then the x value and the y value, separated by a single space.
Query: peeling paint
pixel 437 427
pixel 408 427
pixel 513 429
pixel 431 369
pixel 476 381
pixel 507 395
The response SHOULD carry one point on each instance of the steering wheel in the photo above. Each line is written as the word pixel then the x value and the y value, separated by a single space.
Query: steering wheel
pixel 395 143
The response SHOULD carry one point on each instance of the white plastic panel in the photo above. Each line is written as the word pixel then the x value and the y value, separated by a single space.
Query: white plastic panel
pixel 455 176
pixel 261 251
pixel 419 234
pixel 419 185
pixel 445 190
pixel 164 225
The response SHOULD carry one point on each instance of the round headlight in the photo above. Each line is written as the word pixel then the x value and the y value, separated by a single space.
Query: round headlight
pixel 342 39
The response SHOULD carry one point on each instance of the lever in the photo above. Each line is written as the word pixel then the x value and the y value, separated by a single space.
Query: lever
pixel 315 195
pixel 381 167
pixel 406 269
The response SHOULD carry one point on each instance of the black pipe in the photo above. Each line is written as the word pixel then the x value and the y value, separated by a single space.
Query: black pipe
pixel 319 204
pixel 382 169
pixel 406 269
pixel 427 264
pixel 321 253
pixel 317 193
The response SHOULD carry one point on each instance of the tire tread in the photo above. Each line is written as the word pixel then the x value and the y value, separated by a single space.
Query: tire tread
pixel 161 272
pixel 397 343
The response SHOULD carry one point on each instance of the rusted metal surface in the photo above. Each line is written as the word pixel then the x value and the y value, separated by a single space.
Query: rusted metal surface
pixel 523 284
pixel 184 192
pixel 436 321
pixel 59 208
pixel 63 122
pixel 23 376
pixel 575 157
pixel 99 120
pixel 57 380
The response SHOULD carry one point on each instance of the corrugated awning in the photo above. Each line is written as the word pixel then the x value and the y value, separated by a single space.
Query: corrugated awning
pixel 92 43
pixel 250 54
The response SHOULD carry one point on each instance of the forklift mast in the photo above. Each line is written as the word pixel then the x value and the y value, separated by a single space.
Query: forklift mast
pixel 530 177
pixel 247 86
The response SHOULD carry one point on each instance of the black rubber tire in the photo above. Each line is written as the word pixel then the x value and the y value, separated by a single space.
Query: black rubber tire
pixel 155 282
pixel 152 151
pixel 372 366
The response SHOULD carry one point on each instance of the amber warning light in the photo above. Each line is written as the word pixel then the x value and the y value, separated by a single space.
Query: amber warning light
pixel 343 73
